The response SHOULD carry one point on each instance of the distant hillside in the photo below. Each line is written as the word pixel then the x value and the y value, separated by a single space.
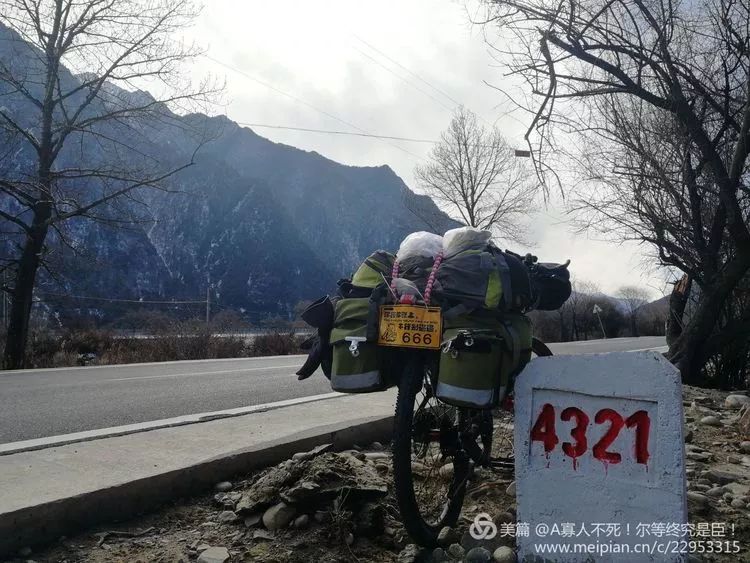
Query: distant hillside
pixel 265 224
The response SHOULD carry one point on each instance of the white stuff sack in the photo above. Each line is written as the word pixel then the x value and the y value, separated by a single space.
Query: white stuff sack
pixel 464 238
pixel 420 243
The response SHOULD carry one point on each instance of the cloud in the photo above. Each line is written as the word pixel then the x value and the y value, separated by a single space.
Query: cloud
pixel 313 51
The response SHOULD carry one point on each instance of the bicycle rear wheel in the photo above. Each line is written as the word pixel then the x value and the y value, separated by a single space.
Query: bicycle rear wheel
pixel 430 468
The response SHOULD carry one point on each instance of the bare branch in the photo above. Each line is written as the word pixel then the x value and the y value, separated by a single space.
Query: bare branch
pixel 473 175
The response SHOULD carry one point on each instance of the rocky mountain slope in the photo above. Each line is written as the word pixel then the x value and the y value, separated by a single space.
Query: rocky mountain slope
pixel 265 224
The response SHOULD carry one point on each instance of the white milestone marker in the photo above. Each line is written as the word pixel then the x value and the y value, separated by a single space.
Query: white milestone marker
pixel 600 464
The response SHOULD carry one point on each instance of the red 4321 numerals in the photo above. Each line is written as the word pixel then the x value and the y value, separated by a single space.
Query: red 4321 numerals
pixel 544 431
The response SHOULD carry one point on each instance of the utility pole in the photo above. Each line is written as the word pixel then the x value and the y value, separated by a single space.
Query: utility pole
pixel 208 302
pixel 5 299
pixel 598 310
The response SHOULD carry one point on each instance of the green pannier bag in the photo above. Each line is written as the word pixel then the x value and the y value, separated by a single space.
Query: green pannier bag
pixel 480 357
pixel 356 363
pixel 370 273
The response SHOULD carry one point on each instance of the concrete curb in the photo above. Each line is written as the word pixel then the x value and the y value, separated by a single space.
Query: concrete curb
pixel 47 522
pixel 77 437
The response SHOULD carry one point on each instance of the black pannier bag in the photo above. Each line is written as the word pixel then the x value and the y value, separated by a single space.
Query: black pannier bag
pixel 522 296
pixel 550 286
pixel 485 278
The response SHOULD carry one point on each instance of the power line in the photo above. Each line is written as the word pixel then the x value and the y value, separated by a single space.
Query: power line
pixel 418 77
pixel 414 74
pixel 352 134
pixel 303 102
pixel 111 300
pixel 417 88
pixel 333 132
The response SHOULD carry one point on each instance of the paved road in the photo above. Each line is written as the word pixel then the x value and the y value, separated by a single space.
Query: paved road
pixel 50 402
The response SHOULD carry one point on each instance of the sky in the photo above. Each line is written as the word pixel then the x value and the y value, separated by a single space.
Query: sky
pixel 350 65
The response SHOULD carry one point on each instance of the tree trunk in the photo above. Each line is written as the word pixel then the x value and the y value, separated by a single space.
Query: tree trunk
pixel 23 290
pixel 688 352
pixel 633 325
pixel 677 304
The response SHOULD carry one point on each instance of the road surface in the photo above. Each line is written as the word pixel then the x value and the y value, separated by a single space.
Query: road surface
pixel 50 402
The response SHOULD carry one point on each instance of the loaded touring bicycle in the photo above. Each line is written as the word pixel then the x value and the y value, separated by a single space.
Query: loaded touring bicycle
pixel 444 320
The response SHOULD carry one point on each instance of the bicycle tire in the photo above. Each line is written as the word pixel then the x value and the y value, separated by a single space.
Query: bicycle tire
pixel 420 530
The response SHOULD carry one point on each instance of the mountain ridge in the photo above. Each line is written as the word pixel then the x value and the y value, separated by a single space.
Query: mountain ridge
pixel 263 224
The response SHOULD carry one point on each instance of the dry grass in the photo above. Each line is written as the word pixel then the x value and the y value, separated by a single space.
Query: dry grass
pixel 276 344
pixel 100 347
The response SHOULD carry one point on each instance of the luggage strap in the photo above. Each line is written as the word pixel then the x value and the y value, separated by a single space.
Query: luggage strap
pixel 504 270
pixel 377 298
pixel 514 340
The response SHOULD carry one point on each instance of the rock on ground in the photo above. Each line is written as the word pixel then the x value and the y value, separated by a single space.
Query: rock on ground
pixel 698 499
pixel 736 401
pixel 302 522
pixel 314 481
pixel 738 489
pixel 456 551
pixel 409 554
pixel 728 473
pixel 743 422
pixel 711 421
pixel 214 555
pixel 227 517
pixel 439 556
pixel 278 516
pixel 504 554
pixel 448 536
pixel 478 555
pixel 253 519
pixel 316 451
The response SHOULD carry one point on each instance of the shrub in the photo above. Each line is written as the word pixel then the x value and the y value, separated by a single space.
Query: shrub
pixel 89 341
pixel 191 341
pixel 276 344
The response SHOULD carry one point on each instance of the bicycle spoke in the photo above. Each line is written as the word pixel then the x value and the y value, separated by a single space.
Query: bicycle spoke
pixel 431 462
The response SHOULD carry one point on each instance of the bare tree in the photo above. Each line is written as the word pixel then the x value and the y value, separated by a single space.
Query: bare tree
pixel 473 175
pixel 655 97
pixel 586 295
pixel 576 316
pixel 86 137
pixel 633 298
pixel 576 319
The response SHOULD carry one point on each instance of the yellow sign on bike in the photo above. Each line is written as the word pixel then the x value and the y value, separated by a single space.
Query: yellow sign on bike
pixel 410 326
